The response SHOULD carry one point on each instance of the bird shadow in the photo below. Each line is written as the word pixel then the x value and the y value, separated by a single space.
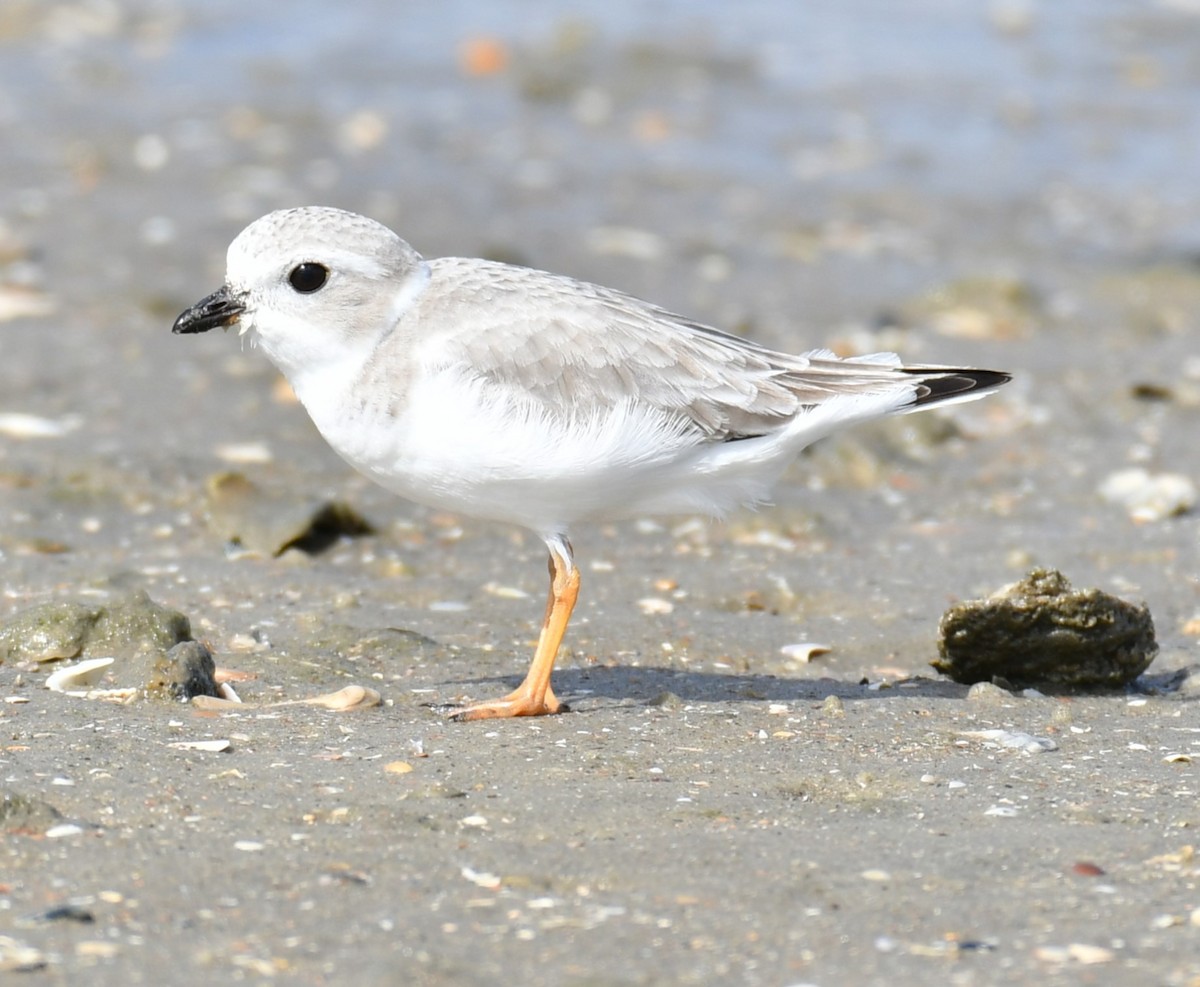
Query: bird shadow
pixel 664 686
pixel 649 686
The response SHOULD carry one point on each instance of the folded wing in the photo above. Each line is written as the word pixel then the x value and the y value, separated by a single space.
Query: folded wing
pixel 581 349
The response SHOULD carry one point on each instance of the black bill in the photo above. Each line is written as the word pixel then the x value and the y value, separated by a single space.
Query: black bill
pixel 218 310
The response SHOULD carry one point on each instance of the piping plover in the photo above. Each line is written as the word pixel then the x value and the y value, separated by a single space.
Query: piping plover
pixel 516 395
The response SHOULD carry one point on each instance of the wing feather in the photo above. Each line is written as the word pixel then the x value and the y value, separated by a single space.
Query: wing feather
pixel 581 349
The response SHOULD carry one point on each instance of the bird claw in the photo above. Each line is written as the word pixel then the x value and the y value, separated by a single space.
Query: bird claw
pixel 509 706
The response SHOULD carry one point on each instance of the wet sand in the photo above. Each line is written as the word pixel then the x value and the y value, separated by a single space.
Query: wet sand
pixel 1007 187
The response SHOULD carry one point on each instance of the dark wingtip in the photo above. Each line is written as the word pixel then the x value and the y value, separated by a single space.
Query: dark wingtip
pixel 947 383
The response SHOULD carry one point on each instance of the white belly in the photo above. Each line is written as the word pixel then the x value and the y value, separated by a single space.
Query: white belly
pixel 475 450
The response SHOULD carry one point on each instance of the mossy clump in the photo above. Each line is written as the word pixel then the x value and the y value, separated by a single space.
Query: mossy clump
pixel 1040 633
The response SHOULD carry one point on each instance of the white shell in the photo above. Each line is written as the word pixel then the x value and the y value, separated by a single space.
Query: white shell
pixel 804 652
pixel 78 677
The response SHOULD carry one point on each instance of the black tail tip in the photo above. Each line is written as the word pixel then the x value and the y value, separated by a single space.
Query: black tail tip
pixel 946 383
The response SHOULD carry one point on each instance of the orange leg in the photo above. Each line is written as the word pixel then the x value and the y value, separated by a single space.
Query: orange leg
pixel 534 697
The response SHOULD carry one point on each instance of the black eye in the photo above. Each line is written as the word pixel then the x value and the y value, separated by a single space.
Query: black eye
pixel 308 277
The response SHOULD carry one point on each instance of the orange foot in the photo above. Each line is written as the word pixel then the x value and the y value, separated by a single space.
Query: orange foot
pixel 519 702
pixel 534 697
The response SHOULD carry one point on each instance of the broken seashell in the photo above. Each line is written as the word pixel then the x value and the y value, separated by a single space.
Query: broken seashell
pixel 351 697
pixel 22 302
pixel 123 695
pixel 1014 739
pixel 222 674
pixel 19 425
pixel 804 651
pixel 243 453
pixel 1149 496
pixel 226 692
pixel 76 678
pixel 653 605
pixel 214 704
pixel 211 746
pixel 482 879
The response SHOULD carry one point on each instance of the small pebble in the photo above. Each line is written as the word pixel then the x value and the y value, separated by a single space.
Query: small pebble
pixel 449 606
pixel 653 605
pixel 97 948
pixel 986 692
pixel 151 152
pixel 482 56
pixel 505 592
pixel 208 746
pixel 481 879
pixel 1087 954
pixel 243 453
pixel 362 131
pixel 1149 496
pixel 1014 739
pixel 17 425
pixel 833 706
pixel 16 957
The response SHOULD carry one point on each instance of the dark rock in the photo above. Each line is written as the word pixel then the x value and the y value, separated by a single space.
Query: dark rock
pixel 152 645
pixel 68 913
pixel 185 671
pixel 1040 633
